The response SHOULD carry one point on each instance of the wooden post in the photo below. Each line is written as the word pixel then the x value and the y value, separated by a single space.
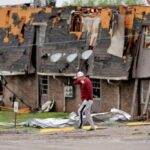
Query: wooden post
pixel 64 101
pixel 16 105
pixel 118 95
pixel 147 100
pixel 134 97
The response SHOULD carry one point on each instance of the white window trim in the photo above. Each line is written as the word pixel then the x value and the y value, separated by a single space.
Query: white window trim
pixel 98 98
pixel 47 86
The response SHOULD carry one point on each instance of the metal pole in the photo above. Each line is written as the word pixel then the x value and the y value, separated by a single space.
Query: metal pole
pixel 15 119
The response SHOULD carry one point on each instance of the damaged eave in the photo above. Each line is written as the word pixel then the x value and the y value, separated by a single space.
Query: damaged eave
pixel 73 74
pixel 8 73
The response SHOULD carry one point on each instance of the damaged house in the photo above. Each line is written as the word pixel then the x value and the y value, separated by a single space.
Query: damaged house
pixel 41 49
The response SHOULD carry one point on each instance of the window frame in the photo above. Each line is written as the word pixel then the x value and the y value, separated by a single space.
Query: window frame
pixel 74 23
pixel 98 81
pixel 43 85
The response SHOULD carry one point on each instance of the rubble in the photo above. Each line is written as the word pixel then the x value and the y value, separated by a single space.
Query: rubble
pixel 112 116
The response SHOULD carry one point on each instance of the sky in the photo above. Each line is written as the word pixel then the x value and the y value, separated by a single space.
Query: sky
pixel 59 3
pixel 13 2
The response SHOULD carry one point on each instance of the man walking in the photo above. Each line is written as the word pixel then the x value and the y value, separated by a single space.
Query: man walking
pixel 86 90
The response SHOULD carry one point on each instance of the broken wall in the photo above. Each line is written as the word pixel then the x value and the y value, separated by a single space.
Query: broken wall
pixel 17 33
pixel 116 94
pixel 24 89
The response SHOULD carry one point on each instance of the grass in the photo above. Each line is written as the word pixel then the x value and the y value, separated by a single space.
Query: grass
pixel 9 116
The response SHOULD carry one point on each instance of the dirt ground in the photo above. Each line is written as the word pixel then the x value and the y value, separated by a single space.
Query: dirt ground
pixel 108 138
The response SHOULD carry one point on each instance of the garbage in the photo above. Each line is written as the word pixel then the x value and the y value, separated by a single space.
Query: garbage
pixel 24 111
pixel 99 118
pixel 47 106
pixel 50 122
pixel 113 115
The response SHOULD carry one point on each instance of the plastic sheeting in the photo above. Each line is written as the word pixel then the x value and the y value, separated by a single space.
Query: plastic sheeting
pixel 113 115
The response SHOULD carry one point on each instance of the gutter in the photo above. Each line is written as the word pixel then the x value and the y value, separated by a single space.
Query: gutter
pixel 7 73
pixel 73 74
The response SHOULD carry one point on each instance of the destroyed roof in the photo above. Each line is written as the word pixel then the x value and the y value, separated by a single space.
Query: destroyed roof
pixel 16 39
pixel 62 40
pixel 58 34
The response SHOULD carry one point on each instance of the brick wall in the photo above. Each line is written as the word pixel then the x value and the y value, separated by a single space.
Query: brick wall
pixel 24 87
pixel 126 92
pixel 110 96
pixel 56 92
pixel 72 105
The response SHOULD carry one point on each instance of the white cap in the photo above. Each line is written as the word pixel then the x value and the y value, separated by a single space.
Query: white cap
pixel 79 74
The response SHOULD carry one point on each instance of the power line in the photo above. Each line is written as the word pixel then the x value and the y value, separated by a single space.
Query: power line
pixel 64 42
pixel 10 90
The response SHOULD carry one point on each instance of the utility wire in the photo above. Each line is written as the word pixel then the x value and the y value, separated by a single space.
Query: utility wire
pixel 63 42
pixel 20 99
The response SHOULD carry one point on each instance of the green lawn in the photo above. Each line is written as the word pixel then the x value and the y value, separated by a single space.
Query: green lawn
pixel 8 116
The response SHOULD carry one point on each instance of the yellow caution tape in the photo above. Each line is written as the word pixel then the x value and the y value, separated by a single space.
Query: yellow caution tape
pixel 138 123
pixel 63 129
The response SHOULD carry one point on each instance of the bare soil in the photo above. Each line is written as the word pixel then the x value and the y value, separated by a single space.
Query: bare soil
pixel 108 138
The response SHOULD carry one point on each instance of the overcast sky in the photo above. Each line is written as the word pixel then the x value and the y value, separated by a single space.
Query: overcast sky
pixel 59 3
pixel 13 2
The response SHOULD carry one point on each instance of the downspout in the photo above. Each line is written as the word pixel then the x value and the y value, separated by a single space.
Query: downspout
pixel 64 100
pixel 118 93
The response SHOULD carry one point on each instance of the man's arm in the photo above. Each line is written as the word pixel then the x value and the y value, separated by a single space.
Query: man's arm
pixel 89 90
pixel 76 82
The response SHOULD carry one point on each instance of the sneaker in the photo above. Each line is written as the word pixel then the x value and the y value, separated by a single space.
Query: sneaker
pixel 77 127
pixel 91 129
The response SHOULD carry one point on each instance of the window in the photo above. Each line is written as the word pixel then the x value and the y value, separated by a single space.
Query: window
pixel 144 89
pixel 147 37
pixel 44 84
pixel 75 23
pixel 96 88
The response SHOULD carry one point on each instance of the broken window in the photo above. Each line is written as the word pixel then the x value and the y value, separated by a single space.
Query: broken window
pixel 44 84
pixel 96 88
pixel 147 37
pixel 144 89
pixel 76 23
